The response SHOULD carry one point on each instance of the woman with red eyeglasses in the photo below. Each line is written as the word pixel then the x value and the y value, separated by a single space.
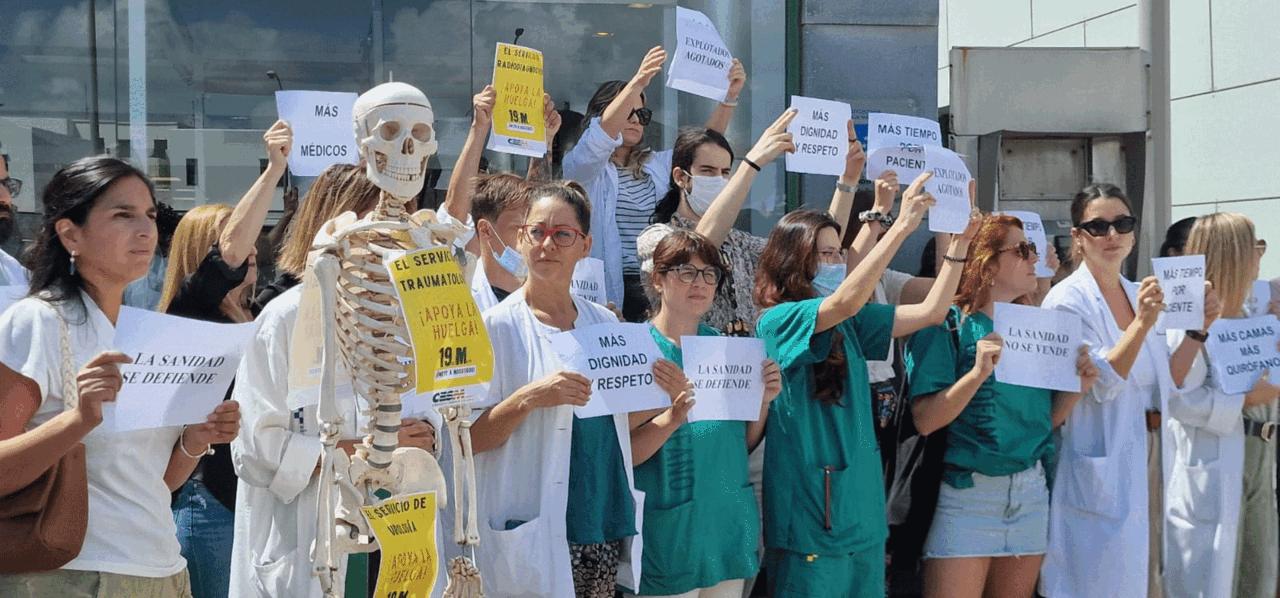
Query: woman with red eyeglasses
pixel 989 531
pixel 625 178
pixel 557 503
pixel 1106 513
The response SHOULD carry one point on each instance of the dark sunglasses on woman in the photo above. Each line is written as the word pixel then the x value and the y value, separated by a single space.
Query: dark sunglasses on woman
pixel 643 115
pixel 1098 227
pixel 1025 250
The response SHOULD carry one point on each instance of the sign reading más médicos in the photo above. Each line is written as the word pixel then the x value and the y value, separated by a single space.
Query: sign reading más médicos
pixel 322 134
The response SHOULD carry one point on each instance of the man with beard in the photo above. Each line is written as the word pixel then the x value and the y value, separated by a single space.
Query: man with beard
pixel 11 272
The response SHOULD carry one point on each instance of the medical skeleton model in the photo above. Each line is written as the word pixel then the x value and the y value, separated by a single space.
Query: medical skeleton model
pixel 364 323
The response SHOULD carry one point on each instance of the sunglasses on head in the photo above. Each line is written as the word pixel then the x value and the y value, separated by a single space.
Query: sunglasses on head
pixel 643 115
pixel 1098 227
pixel 1024 250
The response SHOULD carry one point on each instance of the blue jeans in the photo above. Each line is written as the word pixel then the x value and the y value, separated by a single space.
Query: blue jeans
pixel 205 530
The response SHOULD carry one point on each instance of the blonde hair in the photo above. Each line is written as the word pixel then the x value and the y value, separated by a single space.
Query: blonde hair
pixel 1226 240
pixel 198 230
pixel 340 188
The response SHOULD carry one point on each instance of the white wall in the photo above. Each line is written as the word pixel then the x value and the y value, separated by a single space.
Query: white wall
pixel 1225 86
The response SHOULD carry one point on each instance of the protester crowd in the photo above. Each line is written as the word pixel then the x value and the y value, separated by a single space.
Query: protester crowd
pixel 1149 481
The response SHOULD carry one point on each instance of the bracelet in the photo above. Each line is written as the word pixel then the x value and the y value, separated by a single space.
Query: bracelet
pixel 843 187
pixel 748 162
pixel 955 260
pixel 1197 336
pixel 182 446
pixel 733 104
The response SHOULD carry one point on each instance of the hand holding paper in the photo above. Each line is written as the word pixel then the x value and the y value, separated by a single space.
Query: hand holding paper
pixel 220 427
pixel 886 190
pixel 1183 278
pixel 279 140
pixel 856 158
pixel 915 202
pixel 987 354
pixel 671 378
pixel 737 80
pixel 482 108
pixel 775 140
pixel 555 389
pixel 99 382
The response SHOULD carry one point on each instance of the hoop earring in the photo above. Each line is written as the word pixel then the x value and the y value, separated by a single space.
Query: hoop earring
pixel 73 263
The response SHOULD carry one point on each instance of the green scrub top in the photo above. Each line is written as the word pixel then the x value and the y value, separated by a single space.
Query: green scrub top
pixel 1004 429
pixel 701 523
pixel 823 485
pixel 600 506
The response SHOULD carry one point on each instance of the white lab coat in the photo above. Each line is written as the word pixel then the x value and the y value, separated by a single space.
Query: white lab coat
pixel 1202 502
pixel 588 163
pixel 481 290
pixel 14 274
pixel 527 478
pixel 1098 544
pixel 275 456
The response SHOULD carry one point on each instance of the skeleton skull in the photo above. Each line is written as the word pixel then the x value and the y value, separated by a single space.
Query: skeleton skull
pixel 394 126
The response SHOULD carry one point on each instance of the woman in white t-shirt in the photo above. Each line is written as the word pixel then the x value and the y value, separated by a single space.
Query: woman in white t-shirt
pixel 97 236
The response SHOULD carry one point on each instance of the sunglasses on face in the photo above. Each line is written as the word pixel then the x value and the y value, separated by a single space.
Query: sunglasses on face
pixel 562 236
pixel 1098 227
pixel 1025 250
pixel 688 273
pixel 643 116
pixel 13 185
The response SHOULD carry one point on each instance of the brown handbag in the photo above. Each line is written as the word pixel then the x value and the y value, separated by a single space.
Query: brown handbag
pixel 43 524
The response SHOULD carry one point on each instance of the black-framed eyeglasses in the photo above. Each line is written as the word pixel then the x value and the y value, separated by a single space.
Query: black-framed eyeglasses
pixel 1098 227
pixel 1025 250
pixel 689 273
pixel 562 236
pixel 643 115
pixel 13 185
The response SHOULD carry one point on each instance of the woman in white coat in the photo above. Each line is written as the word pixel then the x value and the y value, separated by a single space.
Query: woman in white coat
pixel 1221 458
pixel 1100 528
pixel 558 505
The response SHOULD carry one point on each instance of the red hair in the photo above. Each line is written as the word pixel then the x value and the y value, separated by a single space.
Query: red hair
pixel 983 265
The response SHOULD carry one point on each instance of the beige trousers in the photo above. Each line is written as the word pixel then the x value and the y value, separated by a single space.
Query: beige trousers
pixel 1155 516
pixel 1258 549
pixel 66 583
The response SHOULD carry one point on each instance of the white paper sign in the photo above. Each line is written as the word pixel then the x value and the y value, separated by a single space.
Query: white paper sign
pixel 181 369
pixel 1241 350
pixel 322 133
pixel 10 295
pixel 588 280
pixel 701 62
pixel 907 162
pixel 896 130
pixel 618 359
pixel 820 131
pixel 950 187
pixel 726 376
pixel 1041 347
pixel 1260 300
pixel 1182 280
pixel 1033 228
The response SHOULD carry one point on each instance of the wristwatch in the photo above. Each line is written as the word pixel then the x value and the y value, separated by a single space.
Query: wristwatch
pixel 885 220
pixel 1197 336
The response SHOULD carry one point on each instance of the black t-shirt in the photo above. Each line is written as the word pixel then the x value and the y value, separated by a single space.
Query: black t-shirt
pixel 499 293
pixel 200 297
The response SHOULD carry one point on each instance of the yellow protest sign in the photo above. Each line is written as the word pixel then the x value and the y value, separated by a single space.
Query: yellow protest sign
pixel 518 125
pixel 406 532
pixel 451 351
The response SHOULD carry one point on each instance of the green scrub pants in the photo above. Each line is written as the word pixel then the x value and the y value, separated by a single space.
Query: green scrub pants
pixel 795 575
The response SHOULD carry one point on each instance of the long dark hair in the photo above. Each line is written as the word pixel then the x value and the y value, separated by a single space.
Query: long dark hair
pixel 687 144
pixel 70 194
pixel 787 267
pixel 596 106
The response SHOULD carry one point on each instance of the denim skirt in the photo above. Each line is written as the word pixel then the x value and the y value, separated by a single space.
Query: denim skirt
pixel 998 516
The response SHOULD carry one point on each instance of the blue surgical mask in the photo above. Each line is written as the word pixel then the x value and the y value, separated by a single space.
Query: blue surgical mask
pixel 511 260
pixel 829 278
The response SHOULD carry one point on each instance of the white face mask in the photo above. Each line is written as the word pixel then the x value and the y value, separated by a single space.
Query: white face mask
pixel 829 278
pixel 704 191
pixel 510 259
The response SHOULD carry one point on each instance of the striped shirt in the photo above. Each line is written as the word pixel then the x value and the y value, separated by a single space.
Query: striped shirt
pixel 637 198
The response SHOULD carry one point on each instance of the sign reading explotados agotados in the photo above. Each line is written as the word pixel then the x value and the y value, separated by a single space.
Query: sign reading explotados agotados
pixel 453 359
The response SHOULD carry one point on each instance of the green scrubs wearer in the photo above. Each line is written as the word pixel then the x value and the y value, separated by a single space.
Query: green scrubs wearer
pixel 1004 429
pixel 824 490
pixel 701 524
pixel 600 506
